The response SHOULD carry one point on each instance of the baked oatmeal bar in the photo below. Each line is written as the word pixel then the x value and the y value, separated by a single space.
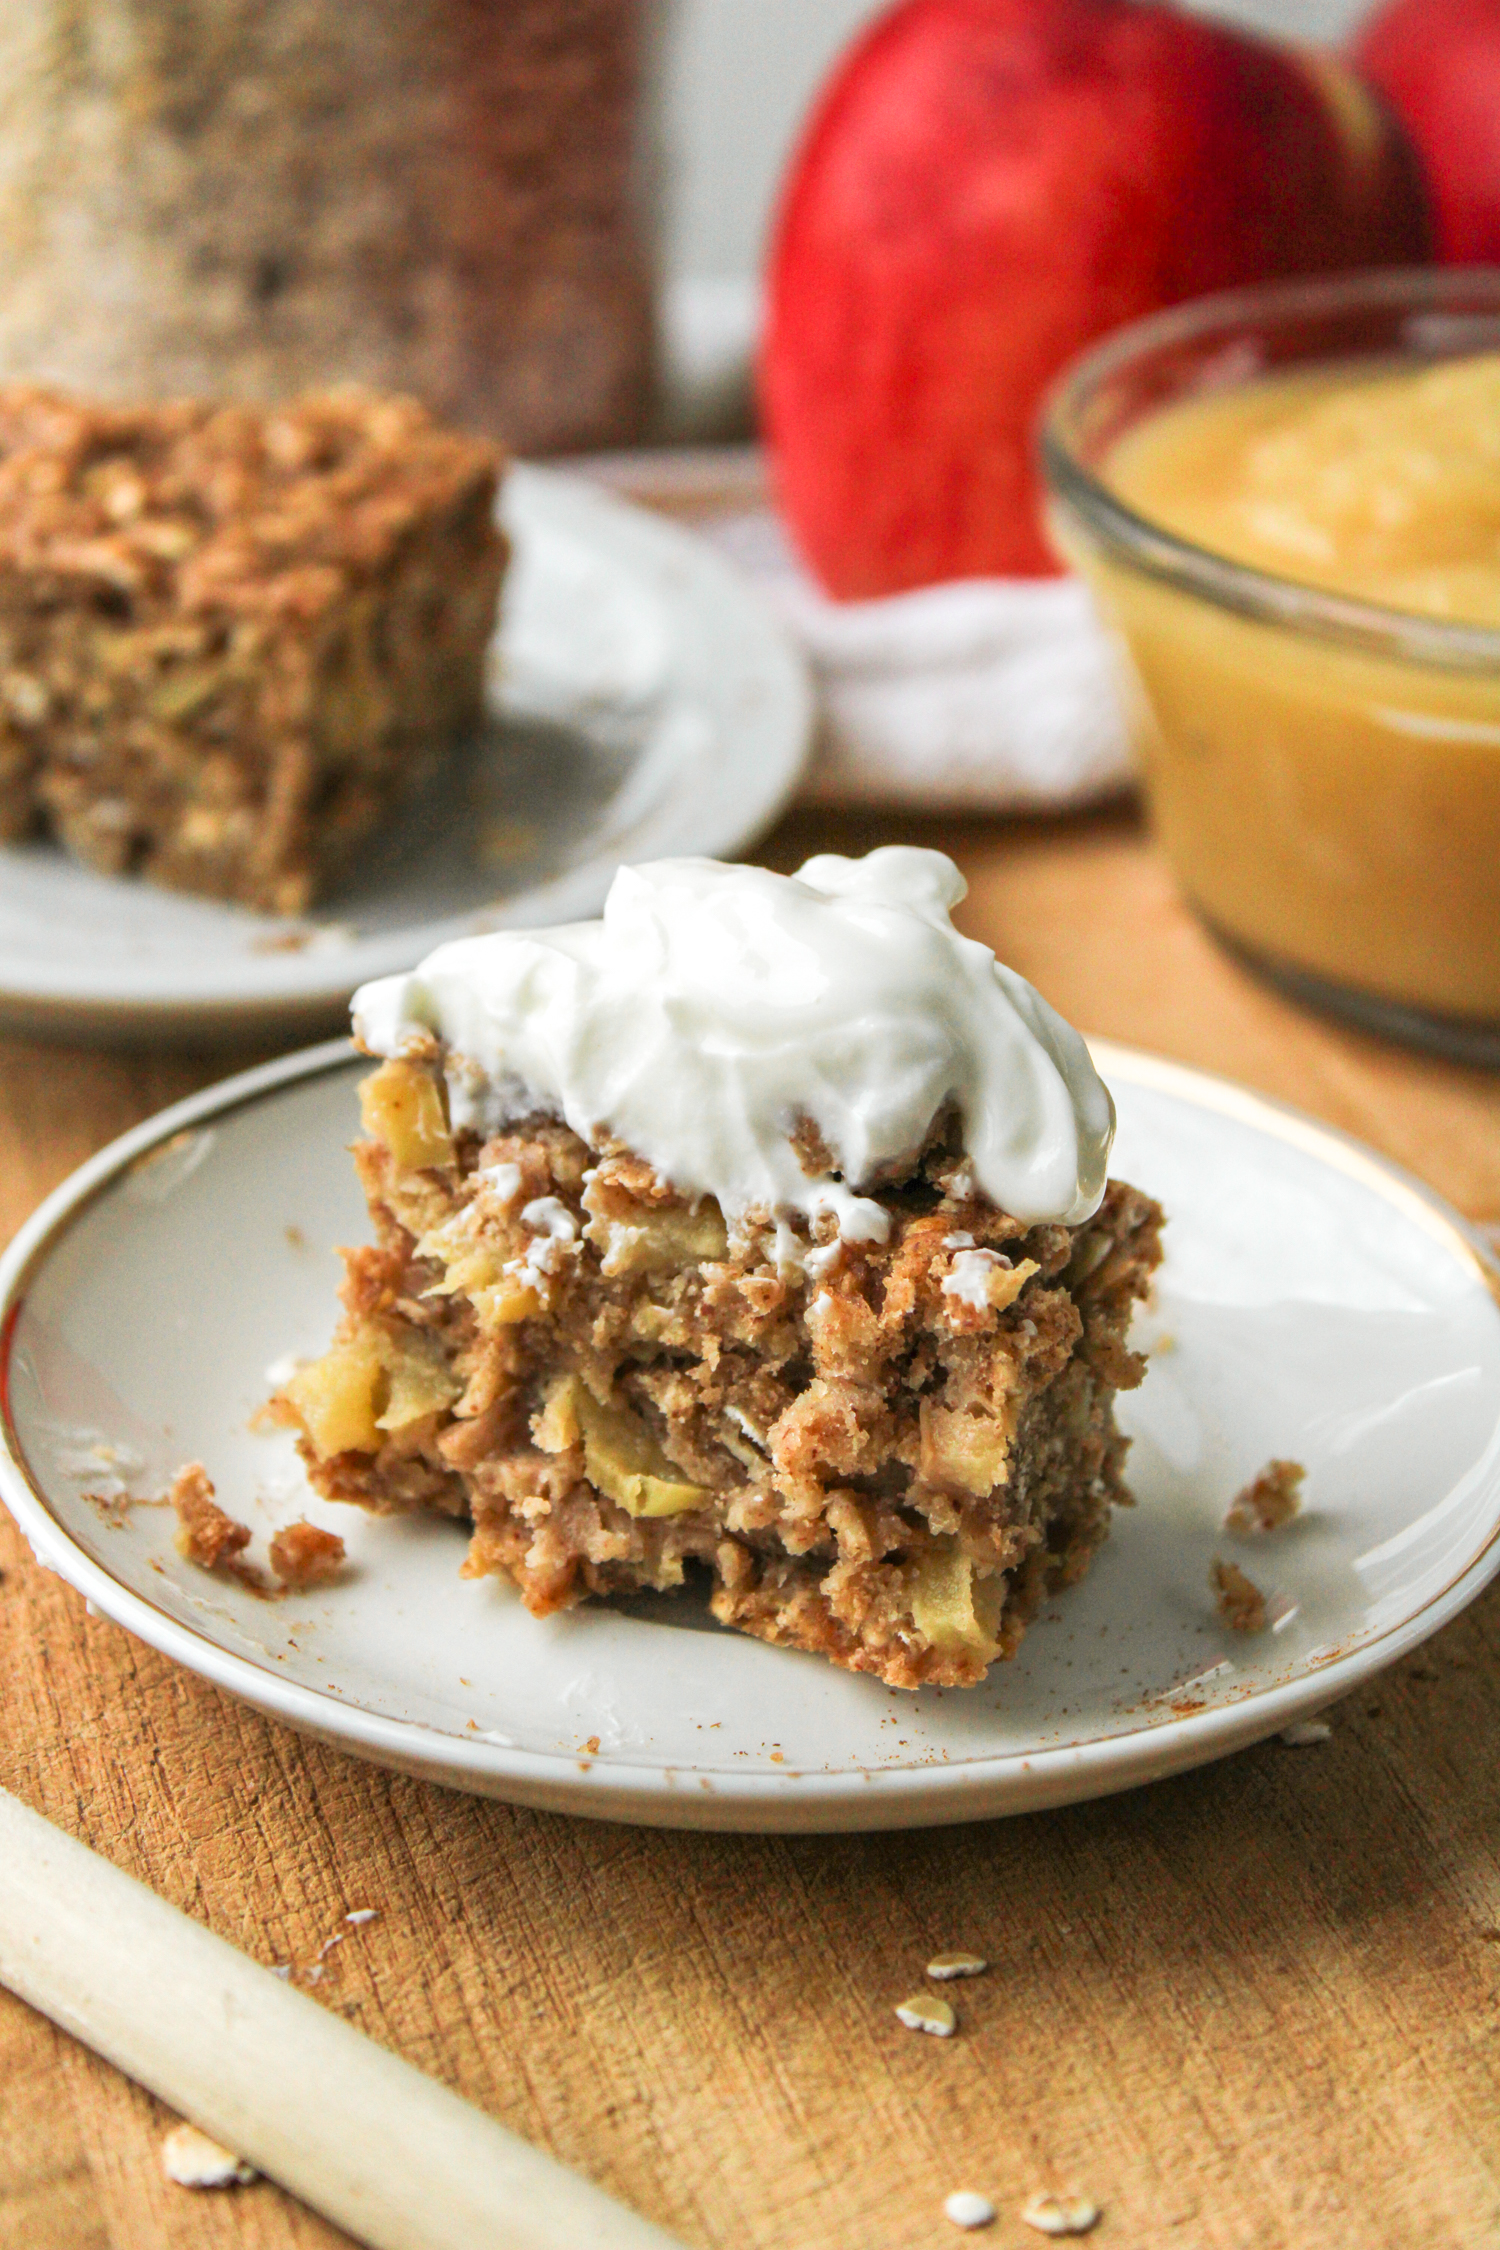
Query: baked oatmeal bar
pixel 881 1427
pixel 230 638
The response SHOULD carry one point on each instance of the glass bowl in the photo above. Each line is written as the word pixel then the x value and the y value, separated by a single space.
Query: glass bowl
pixel 1323 772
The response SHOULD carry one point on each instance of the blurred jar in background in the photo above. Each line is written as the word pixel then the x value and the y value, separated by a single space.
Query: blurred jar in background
pixel 246 198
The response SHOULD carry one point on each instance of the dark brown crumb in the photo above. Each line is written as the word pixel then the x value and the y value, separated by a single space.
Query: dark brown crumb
pixel 1269 1500
pixel 302 1554
pixel 209 1538
pixel 1238 1599
pixel 205 1534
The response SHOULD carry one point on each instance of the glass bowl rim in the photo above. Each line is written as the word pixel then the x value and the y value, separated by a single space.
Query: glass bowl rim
pixel 1260 595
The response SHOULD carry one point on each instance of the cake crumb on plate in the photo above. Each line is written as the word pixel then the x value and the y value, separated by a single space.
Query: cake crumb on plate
pixel 205 1534
pixel 1269 1500
pixel 302 1554
pixel 1239 1601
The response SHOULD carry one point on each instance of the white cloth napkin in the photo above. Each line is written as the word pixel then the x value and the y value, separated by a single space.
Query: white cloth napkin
pixel 990 694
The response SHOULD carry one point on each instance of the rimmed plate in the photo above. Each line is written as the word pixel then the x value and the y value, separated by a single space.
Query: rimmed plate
pixel 642 704
pixel 1315 1303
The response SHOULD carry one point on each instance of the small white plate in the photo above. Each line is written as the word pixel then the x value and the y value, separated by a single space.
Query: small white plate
pixel 642 704
pixel 1314 1303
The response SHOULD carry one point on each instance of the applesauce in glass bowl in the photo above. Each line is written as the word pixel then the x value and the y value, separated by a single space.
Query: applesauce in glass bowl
pixel 1287 502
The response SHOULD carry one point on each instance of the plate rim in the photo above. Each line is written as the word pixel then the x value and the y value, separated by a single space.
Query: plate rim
pixel 66 1006
pixel 652 1792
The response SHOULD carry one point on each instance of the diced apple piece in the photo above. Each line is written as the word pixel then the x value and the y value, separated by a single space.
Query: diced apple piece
pixel 402 1108
pixel 658 1241
pixel 951 1607
pixel 508 1301
pixel 469 1264
pixel 368 1385
pixel 421 1383
pixel 339 1397
pixel 963 1451
pixel 476 1268
pixel 1004 1288
pixel 623 1460
pixel 556 1428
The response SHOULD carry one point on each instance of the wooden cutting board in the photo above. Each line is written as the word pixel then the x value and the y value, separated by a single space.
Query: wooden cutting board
pixel 1256 2006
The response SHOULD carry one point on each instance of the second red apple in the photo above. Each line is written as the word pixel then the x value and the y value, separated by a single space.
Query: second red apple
pixel 1438 63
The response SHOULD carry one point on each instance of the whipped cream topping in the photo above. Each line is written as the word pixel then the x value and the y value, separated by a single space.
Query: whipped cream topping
pixel 715 1010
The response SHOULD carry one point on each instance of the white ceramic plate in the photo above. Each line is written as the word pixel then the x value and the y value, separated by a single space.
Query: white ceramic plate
pixel 642 704
pixel 1314 1303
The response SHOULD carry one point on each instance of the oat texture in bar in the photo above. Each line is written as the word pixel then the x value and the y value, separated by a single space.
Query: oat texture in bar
pixel 878 1428
pixel 231 639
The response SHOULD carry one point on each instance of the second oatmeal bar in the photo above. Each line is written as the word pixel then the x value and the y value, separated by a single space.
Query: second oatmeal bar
pixel 230 639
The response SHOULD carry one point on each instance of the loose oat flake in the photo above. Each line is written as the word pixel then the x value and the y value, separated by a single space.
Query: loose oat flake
pixel 926 2012
pixel 193 2160
pixel 966 2209
pixel 946 1965
pixel 1303 1733
pixel 1061 2214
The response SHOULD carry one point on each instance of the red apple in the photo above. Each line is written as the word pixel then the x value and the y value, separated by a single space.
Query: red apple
pixel 988 185
pixel 1438 64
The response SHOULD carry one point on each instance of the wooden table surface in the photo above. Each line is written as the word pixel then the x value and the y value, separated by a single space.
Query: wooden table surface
pixel 1256 2006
